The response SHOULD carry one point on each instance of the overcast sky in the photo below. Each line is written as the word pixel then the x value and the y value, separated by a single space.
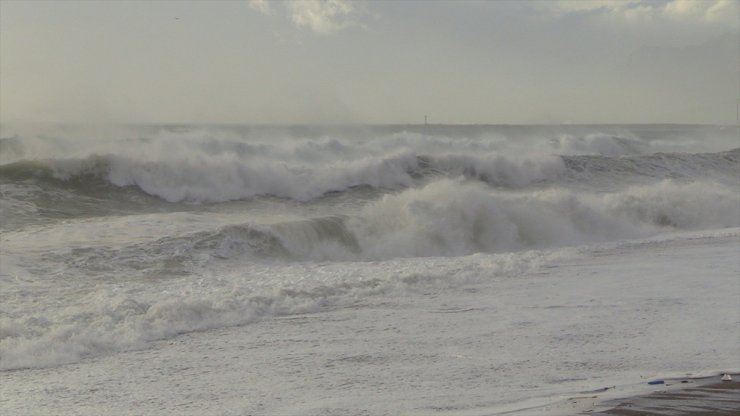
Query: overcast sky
pixel 336 61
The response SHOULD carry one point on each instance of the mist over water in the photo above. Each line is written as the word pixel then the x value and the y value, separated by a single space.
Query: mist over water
pixel 208 268
pixel 138 234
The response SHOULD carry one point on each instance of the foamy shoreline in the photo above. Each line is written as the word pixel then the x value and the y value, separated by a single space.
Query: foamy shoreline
pixel 512 344
pixel 690 397
pixel 649 397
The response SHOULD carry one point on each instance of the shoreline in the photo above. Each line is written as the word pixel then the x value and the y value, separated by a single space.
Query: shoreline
pixel 533 360
pixel 685 396
pixel 695 397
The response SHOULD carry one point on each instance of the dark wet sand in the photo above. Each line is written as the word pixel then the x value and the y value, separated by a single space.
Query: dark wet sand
pixel 715 398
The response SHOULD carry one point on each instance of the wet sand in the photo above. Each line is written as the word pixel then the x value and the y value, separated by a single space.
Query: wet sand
pixel 700 398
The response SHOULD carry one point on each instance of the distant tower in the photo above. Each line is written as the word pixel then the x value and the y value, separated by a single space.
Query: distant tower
pixel 425 119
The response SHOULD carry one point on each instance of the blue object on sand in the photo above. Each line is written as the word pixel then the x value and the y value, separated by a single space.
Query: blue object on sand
pixel 656 382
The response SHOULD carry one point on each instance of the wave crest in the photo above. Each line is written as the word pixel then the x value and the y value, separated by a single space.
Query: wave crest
pixel 447 218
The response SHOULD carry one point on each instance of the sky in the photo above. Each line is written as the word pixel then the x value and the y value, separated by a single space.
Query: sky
pixel 370 62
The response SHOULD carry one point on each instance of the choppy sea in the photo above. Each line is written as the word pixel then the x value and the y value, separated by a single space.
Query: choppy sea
pixel 361 269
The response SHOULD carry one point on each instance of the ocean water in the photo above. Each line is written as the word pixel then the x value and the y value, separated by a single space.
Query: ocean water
pixel 361 269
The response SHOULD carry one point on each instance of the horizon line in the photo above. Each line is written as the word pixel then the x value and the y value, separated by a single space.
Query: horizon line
pixel 351 124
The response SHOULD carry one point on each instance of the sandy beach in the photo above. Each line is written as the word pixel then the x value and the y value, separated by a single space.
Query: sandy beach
pixel 702 397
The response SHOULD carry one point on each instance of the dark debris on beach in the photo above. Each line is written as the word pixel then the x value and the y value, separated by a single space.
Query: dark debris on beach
pixel 711 399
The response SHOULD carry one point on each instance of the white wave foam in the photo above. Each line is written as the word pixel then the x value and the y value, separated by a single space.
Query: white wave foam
pixel 216 178
pixel 65 329
pixel 211 165
pixel 227 178
pixel 112 319
pixel 456 217
pixel 208 178
pixel 452 218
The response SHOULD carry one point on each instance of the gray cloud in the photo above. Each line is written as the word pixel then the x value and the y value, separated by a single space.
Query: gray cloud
pixel 369 62
pixel 323 17
pixel 719 12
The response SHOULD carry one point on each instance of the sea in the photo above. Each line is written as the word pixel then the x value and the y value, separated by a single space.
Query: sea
pixel 362 270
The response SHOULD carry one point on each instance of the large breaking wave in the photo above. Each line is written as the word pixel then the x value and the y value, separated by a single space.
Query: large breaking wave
pixel 151 250
pixel 445 218
pixel 224 177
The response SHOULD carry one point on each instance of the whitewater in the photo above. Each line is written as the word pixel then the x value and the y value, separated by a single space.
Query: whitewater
pixel 375 270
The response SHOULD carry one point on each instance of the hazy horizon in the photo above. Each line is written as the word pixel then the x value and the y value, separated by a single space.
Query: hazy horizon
pixel 343 62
